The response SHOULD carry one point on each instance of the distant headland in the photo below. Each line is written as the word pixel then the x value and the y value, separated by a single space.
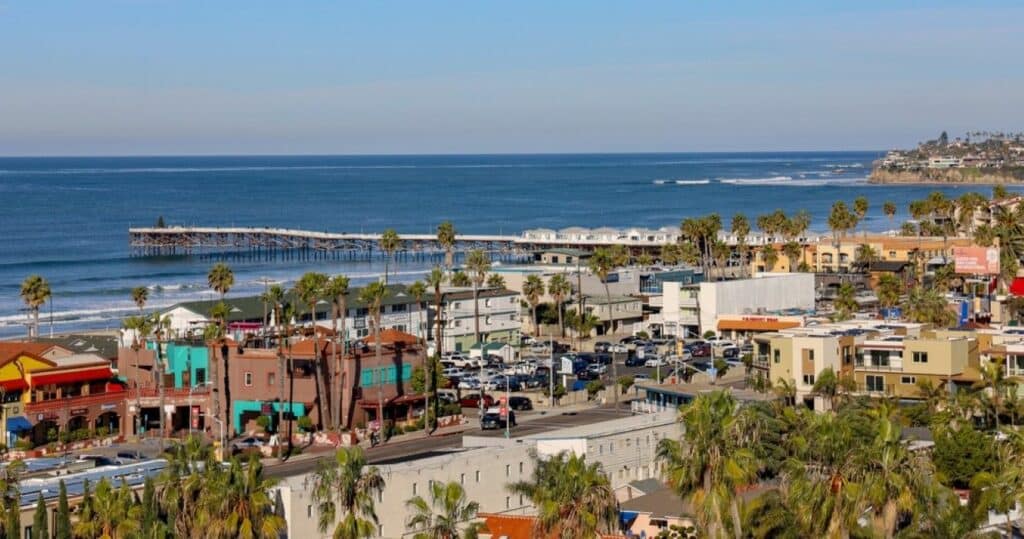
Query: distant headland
pixel 980 157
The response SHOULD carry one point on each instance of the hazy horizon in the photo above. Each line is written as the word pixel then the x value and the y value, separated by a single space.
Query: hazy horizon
pixel 157 78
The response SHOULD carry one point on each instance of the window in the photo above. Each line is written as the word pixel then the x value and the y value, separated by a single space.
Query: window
pixel 520 500
pixel 508 502
pixel 414 489
pixel 400 308
pixel 520 471
pixel 611 447
pixel 271 378
pixel 487 321
pixel 920 357
pixel 874 383
pixel 478 476
pixel 908 379
pixel 487 302
pixel 508 470
pixel 457 305
pixel 462 479
pixel 248 379
pixel 600 449
pixel 810 355
pixel 309 511
pixel 200 377
pixel 809 379
pixel 776 355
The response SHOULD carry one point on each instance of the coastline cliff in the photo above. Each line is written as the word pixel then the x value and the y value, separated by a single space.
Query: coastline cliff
pixel 948 176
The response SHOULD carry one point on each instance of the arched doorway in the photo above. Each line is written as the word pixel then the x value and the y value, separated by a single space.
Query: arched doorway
pixel 77 423
pixel 108 423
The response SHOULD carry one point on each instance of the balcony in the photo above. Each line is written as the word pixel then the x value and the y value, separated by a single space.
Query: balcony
pixel 761 361
pixel 72 403
pixel 876 390
pixel 894 364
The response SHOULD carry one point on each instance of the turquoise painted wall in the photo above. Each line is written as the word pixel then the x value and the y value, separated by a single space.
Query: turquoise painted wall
pixel 239 407
pixel 179 358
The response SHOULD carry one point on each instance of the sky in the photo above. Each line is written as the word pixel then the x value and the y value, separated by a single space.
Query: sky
pixel 148 77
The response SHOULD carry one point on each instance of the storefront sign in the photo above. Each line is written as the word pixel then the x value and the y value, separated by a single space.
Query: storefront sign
pixel 107 406
pixel 760 319
pixel 266 408
pixel 79 411
pixel 195 417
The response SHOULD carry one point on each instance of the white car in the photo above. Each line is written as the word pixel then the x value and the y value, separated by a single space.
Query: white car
pixel 719 342
pixel 679 358
pixel 654 362
pixel 618 349
pixel 460 360
pixel 453 372
pixel 469 383
pixel 540 348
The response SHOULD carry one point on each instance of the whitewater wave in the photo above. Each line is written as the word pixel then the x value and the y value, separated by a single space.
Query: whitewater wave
pixel 692 182
pixel 660 182
pixel 787 181
pixel 756 181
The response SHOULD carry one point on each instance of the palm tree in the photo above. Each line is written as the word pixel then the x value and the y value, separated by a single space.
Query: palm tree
pixel 889 290
pixel 866 255
pixel 994 381
pixel 792 250
pixel 740 227
pixel 10 499
pixel 389 243
pixel 574 500
pixel 860 207
pixel 714 458
pixel 220 278
pixel 927 306
pixel 846 300
pixel 240 504
pixel 435 280
pixel 894 476
pixel 442 517
pixel 35 291
pixel 343 490
pixel 602 263
pixel 274 297
pixel 533 289
pixel 840 220
pixel 141 327
pixel 109 513
pixel 460 279
pixel 559 289
pixel 770 257
pixel 446 239
pixel 495 280
pixel 477 266
pixel 309 289
pixel 889 209
pixel 161 327
pixel 337 290
pixel 140 294
pixel 418 290
pixel 645 260
pixel 373 296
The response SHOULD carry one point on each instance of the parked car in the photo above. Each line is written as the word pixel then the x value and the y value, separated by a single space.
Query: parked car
pixel 587 375
pixel 640 377
pixel 633 361
pixel 628 340
pixel 730 353
pixel 472 400
pixel 654 362
pixel 452 372
pixel 597 368
pixel 540 348
pixel 447 396
pixel 617 349
pixel 469 382
pixel 602 346
pixel 535 381
pixel 492 419
pixel 561 348
pixel 702 349
pixel 503 383
pixel 661 341
pixel 246 444
pixel 520 403
pixel 679 358
pixel 604 359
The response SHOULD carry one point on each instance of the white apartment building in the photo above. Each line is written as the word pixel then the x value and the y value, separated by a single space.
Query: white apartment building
pixel 499 317
pixel 625 448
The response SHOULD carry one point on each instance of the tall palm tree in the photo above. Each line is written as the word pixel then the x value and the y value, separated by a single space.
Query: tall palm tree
pixel 714 458
pixel 343 490
pixel 894 477
pixel 994 381
pixel 478 264
pixel 889 290
pixel 448 513
pixel 141 327
pixel 602 263
pixel 446 239
pixel 792 250
pixel 220 278
pixel 435 280
pixel 574 500
pixel 35 291
pixel 373 296
pixel 860 207
pixel 310 289
pixel 927 306
pixel 140 294
pixel 389 243
pixel 161 329
pixel 840 220
pixel 274 297
pixel 866 255
pixel 495 280
pixel 533 289
pixel 770 256
pixel 740 227
pixel 337 290
pixel 889 209
pixel 559 289
pixel 418 290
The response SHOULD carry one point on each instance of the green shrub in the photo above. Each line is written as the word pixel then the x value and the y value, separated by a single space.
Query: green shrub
pixel 305 424
pixel 625 382
pixel 643 335
pixel 264 422
pixel 593 388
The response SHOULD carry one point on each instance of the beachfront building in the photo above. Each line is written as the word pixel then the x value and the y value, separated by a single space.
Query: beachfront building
pixel 692 310
pixel 499 319
pixel 51 393
pixel 844 256
pixel 626 449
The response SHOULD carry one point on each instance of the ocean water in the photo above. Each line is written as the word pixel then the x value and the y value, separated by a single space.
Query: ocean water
pixel 67 218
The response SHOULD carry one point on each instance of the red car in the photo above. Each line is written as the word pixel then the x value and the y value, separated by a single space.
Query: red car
pixel 473 401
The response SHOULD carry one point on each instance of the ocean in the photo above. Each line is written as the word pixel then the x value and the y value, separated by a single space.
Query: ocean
pixel 67 218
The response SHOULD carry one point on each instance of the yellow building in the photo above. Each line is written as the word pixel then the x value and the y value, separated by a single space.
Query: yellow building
pixel 893 366
pixel 828 257
pixel 798 357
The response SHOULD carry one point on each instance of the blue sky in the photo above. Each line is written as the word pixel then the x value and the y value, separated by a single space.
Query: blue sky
pixel 182 77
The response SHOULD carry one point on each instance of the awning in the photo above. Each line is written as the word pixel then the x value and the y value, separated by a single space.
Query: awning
pixel 1017 286
pixel 18 424
pixel 755 325
pixel 10 386
pixel 99 373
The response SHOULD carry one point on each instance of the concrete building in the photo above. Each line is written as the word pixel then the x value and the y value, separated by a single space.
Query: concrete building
pixel 693 310
pixel 499 317
pixel 624 447
pixel 619 315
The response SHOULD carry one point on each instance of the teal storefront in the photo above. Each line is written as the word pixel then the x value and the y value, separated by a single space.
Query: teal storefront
pixel 240 408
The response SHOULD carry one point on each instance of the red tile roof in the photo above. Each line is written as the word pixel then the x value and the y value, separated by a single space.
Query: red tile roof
pixel 390 337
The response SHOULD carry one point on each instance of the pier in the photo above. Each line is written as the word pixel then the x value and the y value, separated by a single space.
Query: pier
pixel 274 243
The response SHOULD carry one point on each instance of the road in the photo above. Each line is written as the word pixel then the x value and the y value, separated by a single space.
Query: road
pixel 417 448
